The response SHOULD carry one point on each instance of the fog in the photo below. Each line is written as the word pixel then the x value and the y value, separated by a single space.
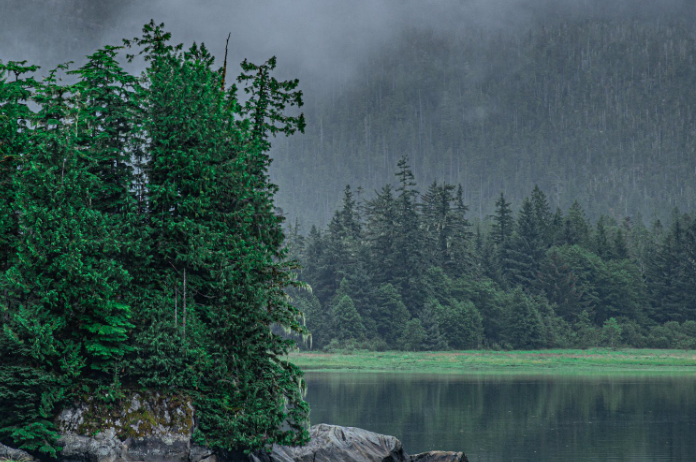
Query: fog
pixel 344 53
pixel 317 40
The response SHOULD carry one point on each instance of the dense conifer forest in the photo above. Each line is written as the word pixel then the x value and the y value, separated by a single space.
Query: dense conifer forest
pixel 409 270
pixel 139 247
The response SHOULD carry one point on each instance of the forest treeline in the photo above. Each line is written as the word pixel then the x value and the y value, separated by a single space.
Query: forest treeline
pixel 599 110
pixel 405 270
pixel 139 246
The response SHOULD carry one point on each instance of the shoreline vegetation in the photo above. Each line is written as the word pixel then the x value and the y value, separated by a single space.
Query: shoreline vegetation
pixel 542 362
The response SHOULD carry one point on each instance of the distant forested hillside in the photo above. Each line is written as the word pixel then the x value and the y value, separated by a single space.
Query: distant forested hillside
pixel 393 273
pixel 598 110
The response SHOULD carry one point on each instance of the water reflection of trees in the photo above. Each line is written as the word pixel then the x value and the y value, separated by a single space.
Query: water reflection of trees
pixel 504 417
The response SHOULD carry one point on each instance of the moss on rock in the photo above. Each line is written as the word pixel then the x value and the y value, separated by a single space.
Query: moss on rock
pixel 138 415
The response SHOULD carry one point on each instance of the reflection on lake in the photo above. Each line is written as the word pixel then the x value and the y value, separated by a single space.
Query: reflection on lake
pixel 515 417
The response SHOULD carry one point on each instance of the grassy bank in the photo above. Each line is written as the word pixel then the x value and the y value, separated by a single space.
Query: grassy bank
pixel 542 361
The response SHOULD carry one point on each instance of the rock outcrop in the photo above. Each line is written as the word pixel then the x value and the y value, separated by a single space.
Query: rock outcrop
pixel 439 456
pixel 14 454
pixel 152 428
pixel 329 443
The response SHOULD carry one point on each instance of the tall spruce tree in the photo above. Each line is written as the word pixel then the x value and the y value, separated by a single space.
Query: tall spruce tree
pixel 527 248
pixel 543 215
pixel 15 130
pixel 438 221
pixel 408 242
pixel 501 235
pixel 575 227
pixel 461 251
pixel 63 287
pixel 380 232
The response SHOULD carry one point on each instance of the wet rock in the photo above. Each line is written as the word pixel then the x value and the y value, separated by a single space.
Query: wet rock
pixel 439 456
pixel 146 427
pixel 331 443
pixel 163 443
pixel 7 453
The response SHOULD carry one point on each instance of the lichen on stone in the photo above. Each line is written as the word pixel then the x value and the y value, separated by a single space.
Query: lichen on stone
pixel 138 415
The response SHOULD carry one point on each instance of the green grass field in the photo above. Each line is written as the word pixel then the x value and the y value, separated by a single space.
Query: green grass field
pixel 542 361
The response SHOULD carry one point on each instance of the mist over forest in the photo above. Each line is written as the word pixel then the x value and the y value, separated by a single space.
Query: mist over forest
pixel 591 101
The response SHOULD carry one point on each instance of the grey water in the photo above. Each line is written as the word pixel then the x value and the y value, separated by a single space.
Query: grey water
pixel 517 417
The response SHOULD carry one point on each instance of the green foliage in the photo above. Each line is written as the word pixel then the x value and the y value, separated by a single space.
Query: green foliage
pixel 611 333
pixel 141 247
pixel 568 292
pixel 461 325
pixel 15 95
pixel 524 327
pixel 433 338
pixel 527 249
pixel 346 322
pixel 413 335
pixel 390 314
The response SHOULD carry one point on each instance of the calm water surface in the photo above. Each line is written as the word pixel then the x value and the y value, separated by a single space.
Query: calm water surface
pixel 517 418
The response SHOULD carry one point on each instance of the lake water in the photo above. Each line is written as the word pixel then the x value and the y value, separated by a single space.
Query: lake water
pixel 516 417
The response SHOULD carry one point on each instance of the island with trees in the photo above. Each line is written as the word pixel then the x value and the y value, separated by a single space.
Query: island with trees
pixel 140 250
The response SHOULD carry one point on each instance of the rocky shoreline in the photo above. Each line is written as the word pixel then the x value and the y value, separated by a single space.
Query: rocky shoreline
pixel 151 427
pixel 329 443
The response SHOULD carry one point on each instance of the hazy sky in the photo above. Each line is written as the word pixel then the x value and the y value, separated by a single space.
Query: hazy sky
pixel 317 40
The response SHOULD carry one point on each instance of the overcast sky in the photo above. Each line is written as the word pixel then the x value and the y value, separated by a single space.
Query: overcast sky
pixel 316 40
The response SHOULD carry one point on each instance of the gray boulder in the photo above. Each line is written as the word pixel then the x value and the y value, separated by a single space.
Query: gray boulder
pixel 440 456
pixel 145 427
pixel 7 453
pixel 331 443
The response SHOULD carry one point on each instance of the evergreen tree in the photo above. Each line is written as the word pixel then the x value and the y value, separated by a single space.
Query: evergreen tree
pixel 491 303
pixel 295 241
pixel 200 234
pixel 501 235
pixel 408 242
pixel 611 333
pixel 217 245
pixel 602 247
pixel 461 324
pixel 62 288
pixel 503 222
pixel 620 246
pixel 390 314
pixel 413 336
pixel 462 253
pixel 560 286
pixel 15 130
pixel 664 273
pixel 346 321
pixel 524 328
pixel 318 319
pixel 434 339
pixel 438 222
pixel 543 216
pixel 249 284
pixel 527 250
pixel 556 227
pixel 340 257
pixel 575 227
pixel 380 232
pixel 315 265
